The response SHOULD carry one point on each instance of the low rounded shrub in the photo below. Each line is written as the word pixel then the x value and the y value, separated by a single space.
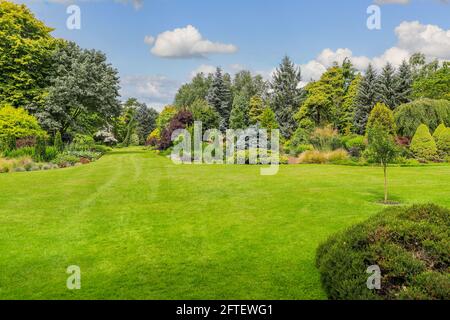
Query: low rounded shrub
pixel 423 144
pixel 355 145
pixel 443 142
pixel 410 245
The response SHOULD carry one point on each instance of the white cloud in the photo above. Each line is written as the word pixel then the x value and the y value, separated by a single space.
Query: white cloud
pixel 204 68
pixel 429 39
pixel 156 91
pixel 392 1
pixel 149 40
pixel 412 37
pixel 187 42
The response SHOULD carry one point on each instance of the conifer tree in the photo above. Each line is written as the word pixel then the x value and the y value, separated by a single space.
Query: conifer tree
pixel 256 109
pixel 387 86
pixel 219 97
pixel 365 99
pixel 404 83
pixel 286 95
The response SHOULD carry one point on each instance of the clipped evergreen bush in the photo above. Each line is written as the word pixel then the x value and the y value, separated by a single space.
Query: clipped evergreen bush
pixel 410 245
pixel 443 142
pixel 438 131
pixel 423 145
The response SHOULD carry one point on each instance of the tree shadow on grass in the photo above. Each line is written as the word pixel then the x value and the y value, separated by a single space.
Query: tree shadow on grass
pixel 377 196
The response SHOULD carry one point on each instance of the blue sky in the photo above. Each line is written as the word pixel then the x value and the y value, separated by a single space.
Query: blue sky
pixel 251 34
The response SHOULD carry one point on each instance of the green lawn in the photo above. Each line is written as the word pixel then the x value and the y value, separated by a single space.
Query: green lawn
pixel 141 227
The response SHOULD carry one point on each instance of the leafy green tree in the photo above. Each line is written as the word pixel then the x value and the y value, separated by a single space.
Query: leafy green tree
pixel 197 89
pixel 417 62
pixel 434 84
pixel 382 116
pixel 404 80
pixel 410 116
pixel 239 112
pixel 318 104
pixel 219 97
pixel 202 111
pixel 382 149
pixel 366 99
pixel 286 95
pixel 256 109
pixel 245 83
pixel 165 116
pixel 83 86
pixel 423 144
pixel 16 123
pixel 25 56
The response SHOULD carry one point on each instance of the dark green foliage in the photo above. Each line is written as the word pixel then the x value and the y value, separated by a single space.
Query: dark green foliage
pixel 403 84
pixel 410 116
pixel 146 121
pixel 40 150
pixel 83 94
pixel 433 82
pixel 58 143
pixel 204 113
pixel 197 89
pixel 220 98
pixel 239 112
pixel 410 245
pixel 366 99
pixel 387 87
pixel 355 145
pixel 286 96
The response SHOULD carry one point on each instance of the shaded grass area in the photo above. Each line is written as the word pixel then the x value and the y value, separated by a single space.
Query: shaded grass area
pixel 141 227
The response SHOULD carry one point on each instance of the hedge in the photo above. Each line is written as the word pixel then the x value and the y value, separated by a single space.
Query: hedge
pixel 409 244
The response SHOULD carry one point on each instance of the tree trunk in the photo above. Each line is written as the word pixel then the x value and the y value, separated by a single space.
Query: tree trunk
pixel 385 184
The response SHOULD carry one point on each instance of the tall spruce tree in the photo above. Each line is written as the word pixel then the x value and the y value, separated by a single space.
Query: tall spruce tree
pixel 404 81
pixel 219 97
pixel 286 95
pixel 388 86
pixel 366 99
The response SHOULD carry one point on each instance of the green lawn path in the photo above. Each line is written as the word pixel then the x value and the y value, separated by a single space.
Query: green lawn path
pixel 141 227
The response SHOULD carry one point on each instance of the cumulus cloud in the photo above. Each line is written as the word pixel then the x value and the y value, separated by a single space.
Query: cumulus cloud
pixel 187 42
pixel 412 37
pixel 157 91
